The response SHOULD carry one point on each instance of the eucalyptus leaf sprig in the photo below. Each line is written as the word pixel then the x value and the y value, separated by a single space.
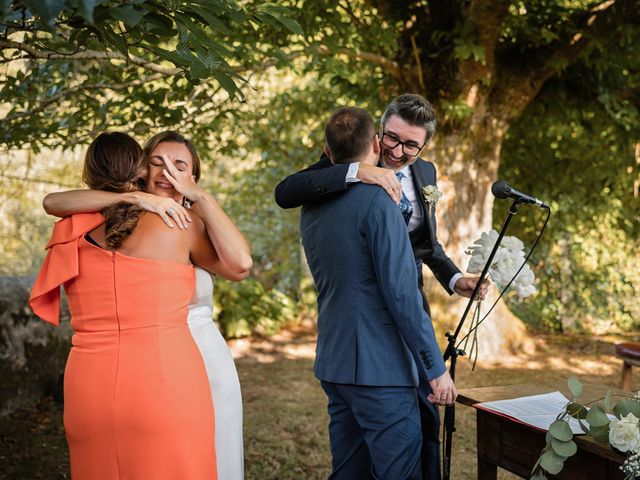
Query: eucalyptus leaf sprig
pixel 621 433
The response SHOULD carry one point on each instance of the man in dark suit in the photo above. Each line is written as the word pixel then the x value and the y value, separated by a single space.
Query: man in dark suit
pixel 374 338
pixel 408 124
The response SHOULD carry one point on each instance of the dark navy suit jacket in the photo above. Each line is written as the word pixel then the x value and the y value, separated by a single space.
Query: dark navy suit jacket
pixel 323 181
pixel 372 328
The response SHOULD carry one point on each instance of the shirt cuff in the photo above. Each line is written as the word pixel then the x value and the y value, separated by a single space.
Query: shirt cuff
pixel 352 173
pixel 454 279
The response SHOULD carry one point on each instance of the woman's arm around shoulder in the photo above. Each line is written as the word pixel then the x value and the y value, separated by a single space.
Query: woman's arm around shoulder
pixel 63 204
pixel 205 255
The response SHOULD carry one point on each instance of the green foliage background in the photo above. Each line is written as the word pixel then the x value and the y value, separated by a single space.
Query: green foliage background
pixel 577 147
pixel 253 82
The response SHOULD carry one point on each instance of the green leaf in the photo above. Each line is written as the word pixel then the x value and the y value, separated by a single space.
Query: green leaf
pixel 47 10
pixel 564 449
pixel 86 9
pixel 600 434
pixel 576 410
pixel 210 19
pixel 627 406
pixel 128 15
pixel 281 15
pixel 160 24
pixel 199 70
pixel 560 430
pixel 575 386
pixel 552 462
pixel 115 39
pixel 596 417
pixel 548 437
pixel 226 82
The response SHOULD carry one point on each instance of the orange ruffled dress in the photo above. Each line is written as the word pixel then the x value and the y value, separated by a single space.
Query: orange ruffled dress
pixel 137 398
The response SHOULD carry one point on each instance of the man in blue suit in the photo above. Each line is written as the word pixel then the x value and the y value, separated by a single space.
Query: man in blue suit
pixel 374 337
pixel 408 124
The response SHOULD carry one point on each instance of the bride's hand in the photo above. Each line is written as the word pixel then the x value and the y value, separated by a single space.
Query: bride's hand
pixel 182 180
pixel 167 208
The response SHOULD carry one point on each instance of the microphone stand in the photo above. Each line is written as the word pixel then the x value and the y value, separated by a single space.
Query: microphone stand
pixel 452 352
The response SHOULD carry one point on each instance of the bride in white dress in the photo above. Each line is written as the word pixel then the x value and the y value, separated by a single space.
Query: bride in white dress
pixel 174 169
pixel 223 379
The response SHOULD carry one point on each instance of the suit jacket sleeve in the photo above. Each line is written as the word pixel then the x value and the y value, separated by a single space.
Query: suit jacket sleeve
pixel 386 236
pixel 434 255
pixel 313 184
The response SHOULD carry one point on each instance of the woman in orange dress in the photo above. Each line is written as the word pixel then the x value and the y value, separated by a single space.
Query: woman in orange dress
pixel 137 399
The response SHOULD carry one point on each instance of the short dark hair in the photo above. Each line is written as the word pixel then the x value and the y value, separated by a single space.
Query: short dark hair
pixel 413 109
pixel 348 133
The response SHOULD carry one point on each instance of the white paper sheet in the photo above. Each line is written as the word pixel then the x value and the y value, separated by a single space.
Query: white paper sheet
pixel 537 410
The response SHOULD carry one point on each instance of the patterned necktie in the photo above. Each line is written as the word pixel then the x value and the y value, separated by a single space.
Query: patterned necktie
pixel 405 205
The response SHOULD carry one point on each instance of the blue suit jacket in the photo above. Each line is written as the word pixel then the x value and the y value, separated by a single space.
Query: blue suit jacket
pixel 322 181
pixel 372 329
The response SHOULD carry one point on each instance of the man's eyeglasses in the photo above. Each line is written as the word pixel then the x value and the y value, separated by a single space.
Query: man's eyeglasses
pixel 410 149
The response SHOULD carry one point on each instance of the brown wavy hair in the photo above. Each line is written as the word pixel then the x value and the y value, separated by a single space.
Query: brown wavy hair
pixel 114 163
pixel 172 137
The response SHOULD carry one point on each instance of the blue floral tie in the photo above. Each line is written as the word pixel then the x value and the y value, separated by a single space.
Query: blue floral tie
pixel 405 205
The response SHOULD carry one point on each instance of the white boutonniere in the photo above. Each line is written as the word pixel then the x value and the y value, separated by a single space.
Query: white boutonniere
pixel 431 195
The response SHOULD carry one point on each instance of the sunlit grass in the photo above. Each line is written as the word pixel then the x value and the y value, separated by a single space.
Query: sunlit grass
pixel 285 409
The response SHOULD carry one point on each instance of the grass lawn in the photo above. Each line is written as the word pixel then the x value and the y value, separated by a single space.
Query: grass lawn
pixel 285 408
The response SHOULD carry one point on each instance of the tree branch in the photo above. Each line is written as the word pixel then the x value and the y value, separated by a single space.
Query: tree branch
pixel 518 88
pixel 34 53
pixel 89 55
pixel 373 58
pixel 77 88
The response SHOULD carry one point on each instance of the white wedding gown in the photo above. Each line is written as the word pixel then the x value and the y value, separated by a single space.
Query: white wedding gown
pixel 223 380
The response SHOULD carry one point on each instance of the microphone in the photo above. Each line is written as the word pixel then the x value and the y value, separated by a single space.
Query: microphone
pixel 502 189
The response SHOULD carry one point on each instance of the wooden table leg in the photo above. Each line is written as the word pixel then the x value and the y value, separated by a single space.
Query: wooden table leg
pixel 486 470
pixel 487 445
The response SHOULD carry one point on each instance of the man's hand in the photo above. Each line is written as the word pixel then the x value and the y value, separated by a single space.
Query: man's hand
pixel 465 285
pixel 443 390
pixel 383 177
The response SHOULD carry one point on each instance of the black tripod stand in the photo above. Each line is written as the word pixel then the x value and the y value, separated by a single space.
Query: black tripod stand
pixel 452 352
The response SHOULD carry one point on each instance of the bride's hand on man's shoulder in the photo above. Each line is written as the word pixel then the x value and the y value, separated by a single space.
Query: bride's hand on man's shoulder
pixel 170 211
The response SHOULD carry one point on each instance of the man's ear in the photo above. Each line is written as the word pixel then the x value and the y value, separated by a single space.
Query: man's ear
pixel 376 145
pixel 327 152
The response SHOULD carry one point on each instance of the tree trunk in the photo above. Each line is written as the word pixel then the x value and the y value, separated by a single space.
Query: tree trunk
pixel 467 163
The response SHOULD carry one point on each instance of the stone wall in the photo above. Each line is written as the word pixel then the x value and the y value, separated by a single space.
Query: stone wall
pixel 32 352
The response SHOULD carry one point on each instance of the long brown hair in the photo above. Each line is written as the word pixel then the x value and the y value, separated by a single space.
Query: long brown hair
pixel 114 163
